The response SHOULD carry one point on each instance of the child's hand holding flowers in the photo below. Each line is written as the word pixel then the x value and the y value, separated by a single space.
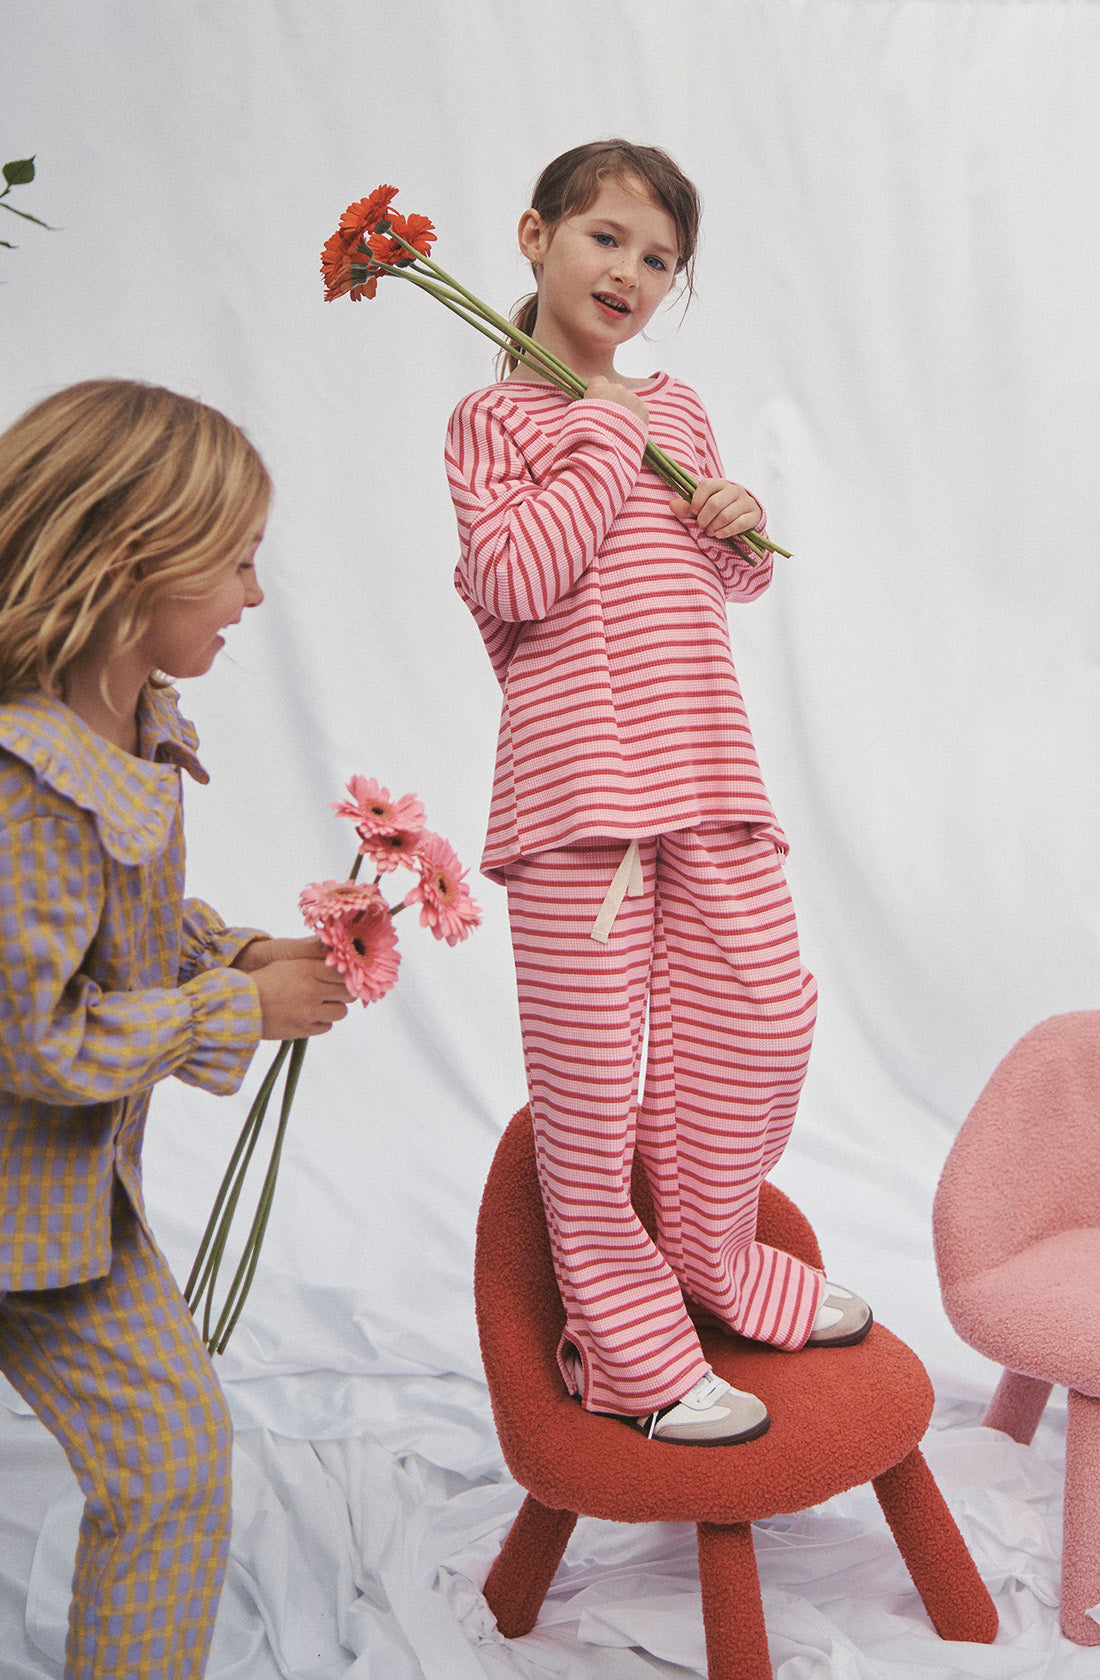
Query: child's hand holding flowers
pixel 300 996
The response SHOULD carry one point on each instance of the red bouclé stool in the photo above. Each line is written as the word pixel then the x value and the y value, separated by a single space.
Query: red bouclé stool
pixel 1017 1229
pixel 840 1417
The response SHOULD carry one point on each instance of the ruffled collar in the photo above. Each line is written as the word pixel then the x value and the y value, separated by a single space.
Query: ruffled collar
pixel 134 801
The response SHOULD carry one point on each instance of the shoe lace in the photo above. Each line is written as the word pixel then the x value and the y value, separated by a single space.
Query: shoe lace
pixel 705 1392
pixel 699 1398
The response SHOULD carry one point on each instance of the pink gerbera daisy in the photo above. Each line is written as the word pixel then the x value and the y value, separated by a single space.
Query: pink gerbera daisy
pixel 355 923
pixel 363 948
pixel 444 899
pixel 326 901
pixel 389 830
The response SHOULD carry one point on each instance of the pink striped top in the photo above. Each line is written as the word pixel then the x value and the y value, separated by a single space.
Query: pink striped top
pixel 604 617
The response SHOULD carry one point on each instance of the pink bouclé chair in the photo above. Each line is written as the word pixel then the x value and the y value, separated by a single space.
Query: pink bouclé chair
pixel 840 1417
pixel 1017 1232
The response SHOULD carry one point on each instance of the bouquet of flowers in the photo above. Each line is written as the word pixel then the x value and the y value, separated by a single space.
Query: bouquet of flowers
pixel 374 239
pixel 355 923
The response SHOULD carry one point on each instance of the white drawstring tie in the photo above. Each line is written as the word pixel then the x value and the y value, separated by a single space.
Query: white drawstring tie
pixel 627 883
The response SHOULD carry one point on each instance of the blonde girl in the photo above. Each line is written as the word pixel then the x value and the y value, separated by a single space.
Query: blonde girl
pixel 629 821
pixel 129 522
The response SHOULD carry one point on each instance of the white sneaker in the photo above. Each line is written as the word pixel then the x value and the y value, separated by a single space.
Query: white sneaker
pixel 713 1414
pixel 842 1319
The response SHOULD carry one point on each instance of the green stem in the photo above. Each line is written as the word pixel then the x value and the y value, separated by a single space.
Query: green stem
pixel 569 379
pixel 204 1272
pixel 214 1237
pixel 546 365
pixel 246 1270
pixel 217 1252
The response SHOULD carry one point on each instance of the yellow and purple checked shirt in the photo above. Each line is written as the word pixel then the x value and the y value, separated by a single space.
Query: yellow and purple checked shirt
pixel 109 979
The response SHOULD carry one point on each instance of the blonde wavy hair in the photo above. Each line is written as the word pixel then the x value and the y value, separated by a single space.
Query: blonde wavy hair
pixel 112 491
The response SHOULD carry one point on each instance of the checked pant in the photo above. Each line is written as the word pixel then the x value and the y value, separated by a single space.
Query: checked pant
pixel 711 946
pixel 117 1372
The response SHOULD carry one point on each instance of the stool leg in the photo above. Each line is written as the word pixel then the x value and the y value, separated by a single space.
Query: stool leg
pixel 953 1593
pixel 526 1564
pixel 1080 1529
pixel 733 1617
pixel 1017 1406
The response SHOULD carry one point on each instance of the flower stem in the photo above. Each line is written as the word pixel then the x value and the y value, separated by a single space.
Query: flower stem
pixel 204 1272
pixel 246 1270
pixel 208 1260
pixel 458 306
pixel 568 380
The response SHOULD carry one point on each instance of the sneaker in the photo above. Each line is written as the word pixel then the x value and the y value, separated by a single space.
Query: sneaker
pixel 842 1319
pixel 712 1415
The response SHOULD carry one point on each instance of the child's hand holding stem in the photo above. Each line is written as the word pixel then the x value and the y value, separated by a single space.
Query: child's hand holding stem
pixel 720 508
pixel 300 995
pixel 602 389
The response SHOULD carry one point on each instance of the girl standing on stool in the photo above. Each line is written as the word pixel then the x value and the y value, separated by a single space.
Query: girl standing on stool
pixel 629 821
pixel 129 522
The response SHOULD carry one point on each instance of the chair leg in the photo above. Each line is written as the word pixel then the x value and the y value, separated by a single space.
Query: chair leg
pixel 953 1593
pixel 733 1617
pixel 1080 1529
pixel 1017 1406
pixel 526 1564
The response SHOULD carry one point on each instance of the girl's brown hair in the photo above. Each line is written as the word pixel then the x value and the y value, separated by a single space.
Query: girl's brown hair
pixel 572 182
pixel 112 491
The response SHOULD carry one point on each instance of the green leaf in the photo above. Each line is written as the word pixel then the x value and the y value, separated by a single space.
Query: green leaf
pixel 18 173
pixel 8 246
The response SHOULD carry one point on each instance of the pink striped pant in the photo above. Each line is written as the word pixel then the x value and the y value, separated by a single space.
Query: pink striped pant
pixel 712 946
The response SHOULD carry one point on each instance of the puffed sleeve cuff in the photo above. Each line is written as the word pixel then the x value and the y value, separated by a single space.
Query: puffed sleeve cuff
pixel 225 1030
pixel 206 942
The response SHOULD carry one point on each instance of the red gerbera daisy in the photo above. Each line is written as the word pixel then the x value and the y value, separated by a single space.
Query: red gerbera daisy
pixel 416 231
pixel 336 268
pixel 347 250
pixel 359 219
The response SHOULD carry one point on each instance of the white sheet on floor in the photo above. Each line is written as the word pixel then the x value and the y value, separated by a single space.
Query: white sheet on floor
pixel 350 1557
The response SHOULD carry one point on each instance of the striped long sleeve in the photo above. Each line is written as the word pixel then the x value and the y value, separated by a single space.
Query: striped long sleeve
pixel 604 617
pixel 526 542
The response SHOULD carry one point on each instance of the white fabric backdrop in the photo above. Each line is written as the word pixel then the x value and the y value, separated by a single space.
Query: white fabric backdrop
pixel 895 335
